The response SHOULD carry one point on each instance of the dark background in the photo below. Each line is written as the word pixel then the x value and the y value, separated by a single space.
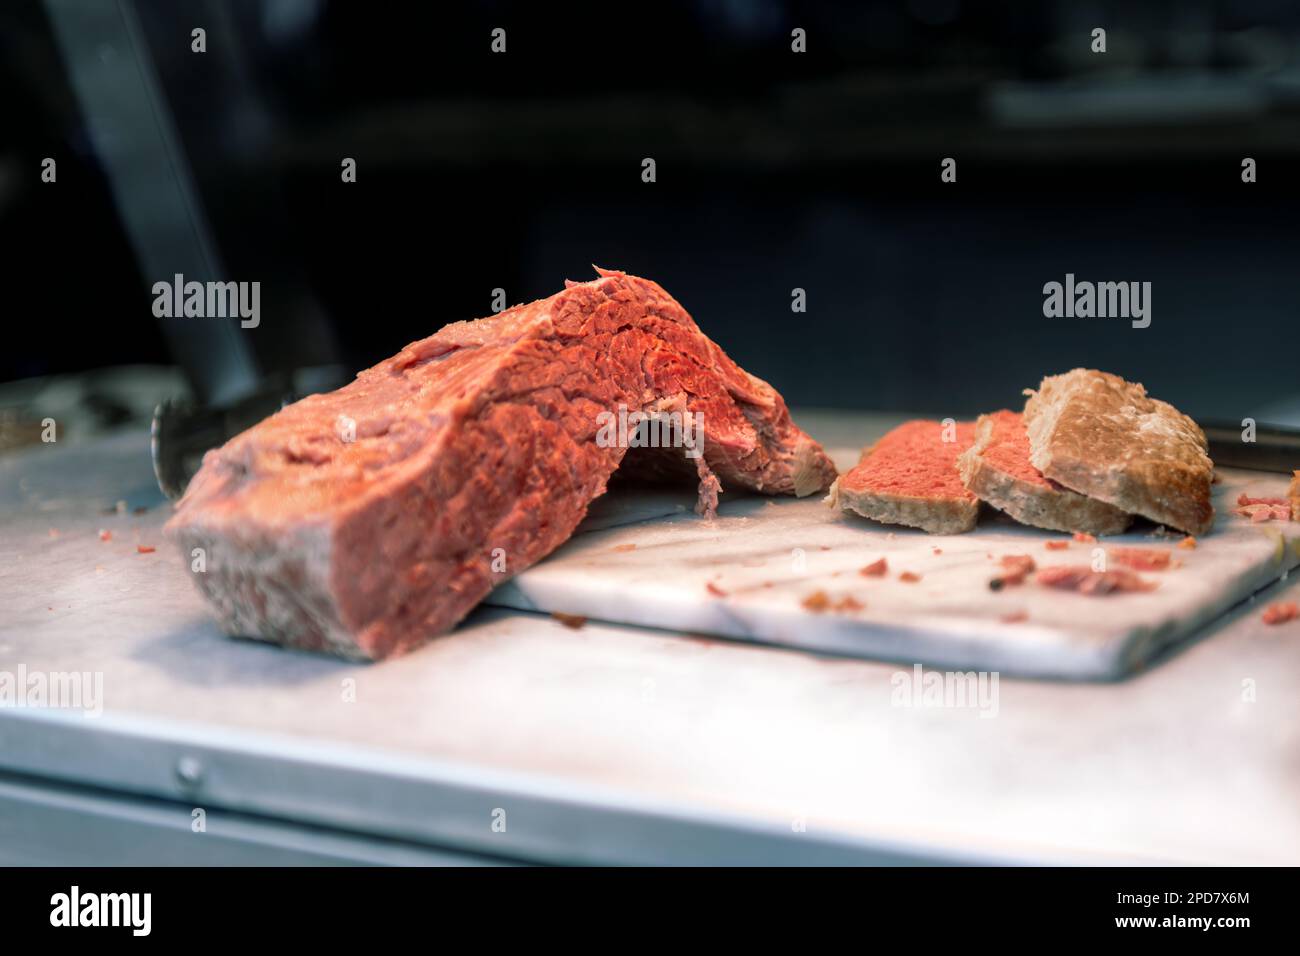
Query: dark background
pixel 775 170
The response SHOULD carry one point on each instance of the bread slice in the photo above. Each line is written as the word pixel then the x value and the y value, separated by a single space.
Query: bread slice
pixel 996 468
pixel 1105 438
pixel 910 477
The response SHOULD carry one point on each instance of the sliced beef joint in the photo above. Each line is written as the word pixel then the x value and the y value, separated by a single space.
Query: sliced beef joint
pixel 367 520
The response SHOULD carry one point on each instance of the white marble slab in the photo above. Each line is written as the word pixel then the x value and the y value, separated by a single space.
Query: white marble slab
pixel 747 574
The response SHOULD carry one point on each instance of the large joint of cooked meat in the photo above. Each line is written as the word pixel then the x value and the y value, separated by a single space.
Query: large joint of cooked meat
pixel 365 521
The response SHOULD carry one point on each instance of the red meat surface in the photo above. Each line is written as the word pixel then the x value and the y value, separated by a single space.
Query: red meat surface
pixel 914 460
pixel 365 521
pixel 1009 449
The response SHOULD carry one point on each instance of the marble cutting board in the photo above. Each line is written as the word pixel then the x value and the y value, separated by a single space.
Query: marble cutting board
pixel 645 558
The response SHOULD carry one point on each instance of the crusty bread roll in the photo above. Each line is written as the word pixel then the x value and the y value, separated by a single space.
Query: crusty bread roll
pixel 1106 438
pixel 996 468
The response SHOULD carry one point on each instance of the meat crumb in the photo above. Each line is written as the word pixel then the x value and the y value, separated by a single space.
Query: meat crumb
pixel 909 576
pixel 817 602
pixel 105 535
pixel 573 621
pixel 1082 578
pixel 1280 612
pixel 1015 617
pixel 1015 568
pixel 715 590
pixel 1258 512
pixel 1188 543
pixel 820 601
pixel 1085 538
pixel 1141 559
pixel 938 551
pixel 1057 545
pixel 54 532
pixel 623 547
pixel 1244 499
pixel 875 569
pixel 145 549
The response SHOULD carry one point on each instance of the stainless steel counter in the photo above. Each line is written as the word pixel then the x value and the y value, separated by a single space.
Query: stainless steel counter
pixel 517 739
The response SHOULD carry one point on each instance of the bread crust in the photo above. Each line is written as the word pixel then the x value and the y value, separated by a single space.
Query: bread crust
pixel 1056 508
pixel 1103 437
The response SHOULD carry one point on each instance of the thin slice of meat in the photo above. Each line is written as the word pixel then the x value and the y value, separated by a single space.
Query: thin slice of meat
pixel 910 477
pixel 365 521
pixel 997 469
pixel 1106 438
